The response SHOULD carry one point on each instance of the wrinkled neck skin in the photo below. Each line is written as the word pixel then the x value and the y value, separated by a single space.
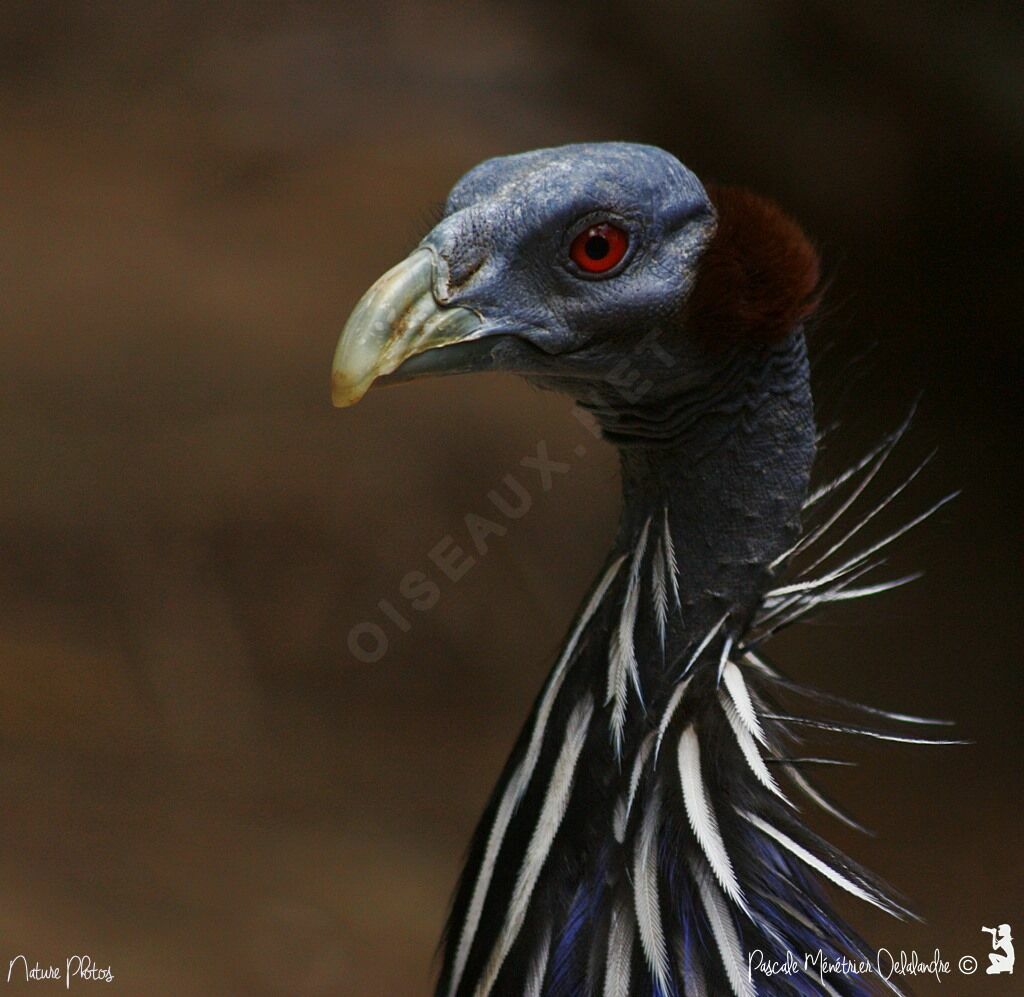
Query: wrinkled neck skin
pixel 723 457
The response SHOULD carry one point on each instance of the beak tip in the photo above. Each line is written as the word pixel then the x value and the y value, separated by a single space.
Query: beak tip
pixel 345 393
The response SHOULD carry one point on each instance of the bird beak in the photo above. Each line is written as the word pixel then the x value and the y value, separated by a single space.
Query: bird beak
pixel 397 319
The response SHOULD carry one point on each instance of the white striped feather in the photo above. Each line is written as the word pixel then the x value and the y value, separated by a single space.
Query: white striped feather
pixel 723 658
pixel 645 893
pixel 707 639
pixel 820 980
pixel 883 456
pixel 619 819
pixel 660 592
pixel 791 912
pixel 624 804
pixel 748 746
pixel 735 685
pixel 842 595
pixel 869 552
pixel 811 760
pixel 622 663
pixel 670 709
pixel 519 781
pixel 845 728
pixel 828 871
pixel 808 788
pixel 826 987
pixel 642 754
pixel 670 560
pixel 842 591
pixel 795 602
pixel 815 929
pixel 907 718
pixel 702 816
pixel 724 931
pixel 819 493
pixel 618 968
pixel 692 975
pixel 556 801
pixel 865 519
pixel 810 585
pixel 539 967
pixel 760 664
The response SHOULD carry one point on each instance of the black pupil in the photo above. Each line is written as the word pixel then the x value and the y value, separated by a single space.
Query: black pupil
pixel 596 247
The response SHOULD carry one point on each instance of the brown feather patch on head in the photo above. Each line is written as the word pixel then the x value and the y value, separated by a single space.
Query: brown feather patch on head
pixel 759 277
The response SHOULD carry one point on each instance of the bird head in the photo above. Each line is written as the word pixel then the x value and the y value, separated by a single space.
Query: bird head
pixel 558 264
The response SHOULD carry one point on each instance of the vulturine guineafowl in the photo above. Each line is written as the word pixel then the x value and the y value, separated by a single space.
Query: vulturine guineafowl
pixel 640 840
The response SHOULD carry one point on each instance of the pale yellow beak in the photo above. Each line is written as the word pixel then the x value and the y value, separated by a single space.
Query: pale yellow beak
pixel 397 318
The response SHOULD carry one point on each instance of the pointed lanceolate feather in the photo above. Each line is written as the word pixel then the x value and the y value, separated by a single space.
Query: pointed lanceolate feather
pixel 702 816
pixel 883 456
pixel 740 695
pixel 748 746
pixel 896 534
pixel 624 805
pixel 823 801
pixel 643 753
pixel 844 594
pixel 622 663
pixel 555 803
pixel 646 894
pixel 723 930
pixel 723 658
pixel 843 728
pixel 670 559
pixel 520 780
pixel 827 870
pixel 837 482
pixel 670 711
pixel 868 517
pixel 702 646
pixel 850 704
pixel 619 964
pixel 538 968
pixel 794 760
pixel 660 592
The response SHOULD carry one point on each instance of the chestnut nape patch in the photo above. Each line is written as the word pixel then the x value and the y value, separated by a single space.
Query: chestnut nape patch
pixel 760 275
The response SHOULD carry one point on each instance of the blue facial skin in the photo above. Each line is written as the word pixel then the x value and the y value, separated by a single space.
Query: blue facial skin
pixel 502 249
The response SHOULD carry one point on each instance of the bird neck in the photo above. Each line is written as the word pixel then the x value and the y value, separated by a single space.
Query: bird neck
pixel 713 480
pixel 637 816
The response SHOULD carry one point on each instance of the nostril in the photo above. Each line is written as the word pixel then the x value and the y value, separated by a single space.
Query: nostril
pixel 462 275
pixel 460 248
pixel 456 266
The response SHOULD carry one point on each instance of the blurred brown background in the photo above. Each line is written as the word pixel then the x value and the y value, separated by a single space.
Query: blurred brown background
pixel 200 786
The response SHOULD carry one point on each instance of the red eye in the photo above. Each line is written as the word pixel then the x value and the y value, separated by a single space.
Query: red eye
pixel 597 249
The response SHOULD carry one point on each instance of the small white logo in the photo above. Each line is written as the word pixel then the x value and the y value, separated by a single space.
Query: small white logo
pixel 1001 957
